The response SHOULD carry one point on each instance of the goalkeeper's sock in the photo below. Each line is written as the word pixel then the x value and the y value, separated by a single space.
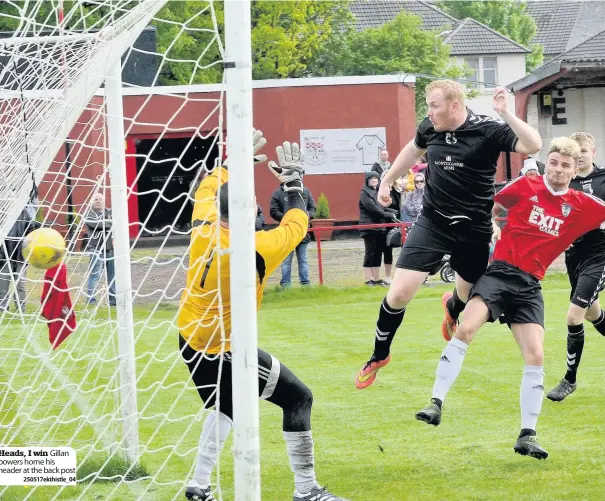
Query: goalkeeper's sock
pixel 302 460
pixel 599 323
pixel 449 367
pixel 389 320
pixel 209 449
pixel 455 305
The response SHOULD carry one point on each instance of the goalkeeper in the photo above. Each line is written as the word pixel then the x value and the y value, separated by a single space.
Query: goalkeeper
pixel 205 342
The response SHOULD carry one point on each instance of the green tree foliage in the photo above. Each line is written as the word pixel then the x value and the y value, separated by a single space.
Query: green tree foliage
pixel 286 36
pixel 399 46
pixel 508 17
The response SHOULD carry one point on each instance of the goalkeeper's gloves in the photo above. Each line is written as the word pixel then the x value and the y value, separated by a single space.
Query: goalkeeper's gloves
pixel 289 167
pixel 258 142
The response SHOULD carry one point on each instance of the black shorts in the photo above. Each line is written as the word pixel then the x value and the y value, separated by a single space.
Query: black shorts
pixel 511 295
pixel 205 372
pixel 430 239
pixel 586 277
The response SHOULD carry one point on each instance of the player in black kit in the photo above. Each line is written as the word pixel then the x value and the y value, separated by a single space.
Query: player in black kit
pixel 585 261
pixel 462 150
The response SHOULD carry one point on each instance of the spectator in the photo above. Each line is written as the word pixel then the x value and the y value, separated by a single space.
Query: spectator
pixel 413 201
pixel 383 165
pixel 12 264
pixel 260 219
pixel 276 211
pixel 530 168
pixel 100 247
pixel 375 239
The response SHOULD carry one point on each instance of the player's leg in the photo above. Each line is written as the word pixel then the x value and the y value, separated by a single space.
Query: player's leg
pixel 421 254
pixel 205 372
pixel 469 261
pixel 476 314
pixel 586 282
pixel 530 338
pixel 285 390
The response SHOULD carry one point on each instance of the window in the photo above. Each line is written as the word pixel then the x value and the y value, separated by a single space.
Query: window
pixel 484 74
pixel 489 72
pixel 473 63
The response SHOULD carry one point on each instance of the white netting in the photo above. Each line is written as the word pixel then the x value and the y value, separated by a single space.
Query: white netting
pixel 54 130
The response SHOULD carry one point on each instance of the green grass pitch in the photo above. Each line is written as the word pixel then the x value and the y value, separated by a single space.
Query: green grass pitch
pixel 369 446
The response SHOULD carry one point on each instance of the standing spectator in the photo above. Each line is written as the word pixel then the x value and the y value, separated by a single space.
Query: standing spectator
pixel 375 239
pixel 383 165
pixel 279 201
pixel 413 202
pixel 260 219
pixel 100 247
pixel 12 264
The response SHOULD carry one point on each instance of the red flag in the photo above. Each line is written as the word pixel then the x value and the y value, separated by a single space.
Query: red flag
pixel 56 305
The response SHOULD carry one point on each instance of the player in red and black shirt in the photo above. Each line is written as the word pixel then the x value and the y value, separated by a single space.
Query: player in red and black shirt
pixel 462 150
pixel 544 218
pixel 585 262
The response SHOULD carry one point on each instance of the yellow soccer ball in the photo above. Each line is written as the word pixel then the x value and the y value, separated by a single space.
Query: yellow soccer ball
pixel 44 248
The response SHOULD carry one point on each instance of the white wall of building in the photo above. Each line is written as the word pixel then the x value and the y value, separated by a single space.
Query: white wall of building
pixel 510 67
pixel 584 110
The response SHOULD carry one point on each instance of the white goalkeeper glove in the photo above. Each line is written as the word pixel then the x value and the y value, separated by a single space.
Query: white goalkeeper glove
pixel 258 143
pixel 290 169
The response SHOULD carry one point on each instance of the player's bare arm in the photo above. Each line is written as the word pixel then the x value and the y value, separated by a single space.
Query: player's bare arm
pixel 407 157
pixel 497 211
pixel 529 141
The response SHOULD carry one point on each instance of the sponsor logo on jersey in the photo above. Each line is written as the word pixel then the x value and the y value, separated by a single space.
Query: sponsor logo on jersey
pixel 566 209
pixel 485 119
pixel 546 224
pixel 450 138
pixel 448 164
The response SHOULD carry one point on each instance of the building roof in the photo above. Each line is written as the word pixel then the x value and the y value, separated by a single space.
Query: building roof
pixel 562 25
pixel 471 37
pixel 591 50
pixel 466 37
pixel 373 13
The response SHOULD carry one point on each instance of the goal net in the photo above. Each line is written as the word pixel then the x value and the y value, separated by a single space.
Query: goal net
pixel 116 390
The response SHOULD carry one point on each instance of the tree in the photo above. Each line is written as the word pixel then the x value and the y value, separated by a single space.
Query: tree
pixel 507 17
pixel 399 46
pixel 285 37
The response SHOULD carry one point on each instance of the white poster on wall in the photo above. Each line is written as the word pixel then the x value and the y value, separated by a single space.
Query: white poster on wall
pixel 341 151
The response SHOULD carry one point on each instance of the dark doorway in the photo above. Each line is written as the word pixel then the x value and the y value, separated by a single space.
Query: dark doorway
pixel 158 183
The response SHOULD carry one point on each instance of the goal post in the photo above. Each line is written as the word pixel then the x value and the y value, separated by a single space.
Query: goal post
pixel 242 213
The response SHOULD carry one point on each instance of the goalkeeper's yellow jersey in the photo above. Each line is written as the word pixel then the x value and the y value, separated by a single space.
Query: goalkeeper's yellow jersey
pixel 206 299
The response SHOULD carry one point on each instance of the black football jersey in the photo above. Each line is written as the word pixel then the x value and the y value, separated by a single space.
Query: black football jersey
pixel 462 167
pixel 592 242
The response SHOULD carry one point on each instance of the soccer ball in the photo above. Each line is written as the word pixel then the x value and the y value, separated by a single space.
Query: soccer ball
pixel 44 248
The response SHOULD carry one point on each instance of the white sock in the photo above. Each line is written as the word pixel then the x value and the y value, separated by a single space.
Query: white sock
pixel 210 446
pixel 302 462
pixel 449 367
pixel 532 394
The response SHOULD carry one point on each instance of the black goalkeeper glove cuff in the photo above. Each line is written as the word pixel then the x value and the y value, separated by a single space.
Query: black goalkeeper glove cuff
pixel 296 201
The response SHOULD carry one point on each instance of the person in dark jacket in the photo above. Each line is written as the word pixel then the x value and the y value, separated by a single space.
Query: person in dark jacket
pixel 276 211
pixel 100 247
pixel 375 239
pixel 260 219
pixel 12 264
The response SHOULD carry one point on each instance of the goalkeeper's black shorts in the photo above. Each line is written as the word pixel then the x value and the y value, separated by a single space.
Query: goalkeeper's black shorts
pixel 206 370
